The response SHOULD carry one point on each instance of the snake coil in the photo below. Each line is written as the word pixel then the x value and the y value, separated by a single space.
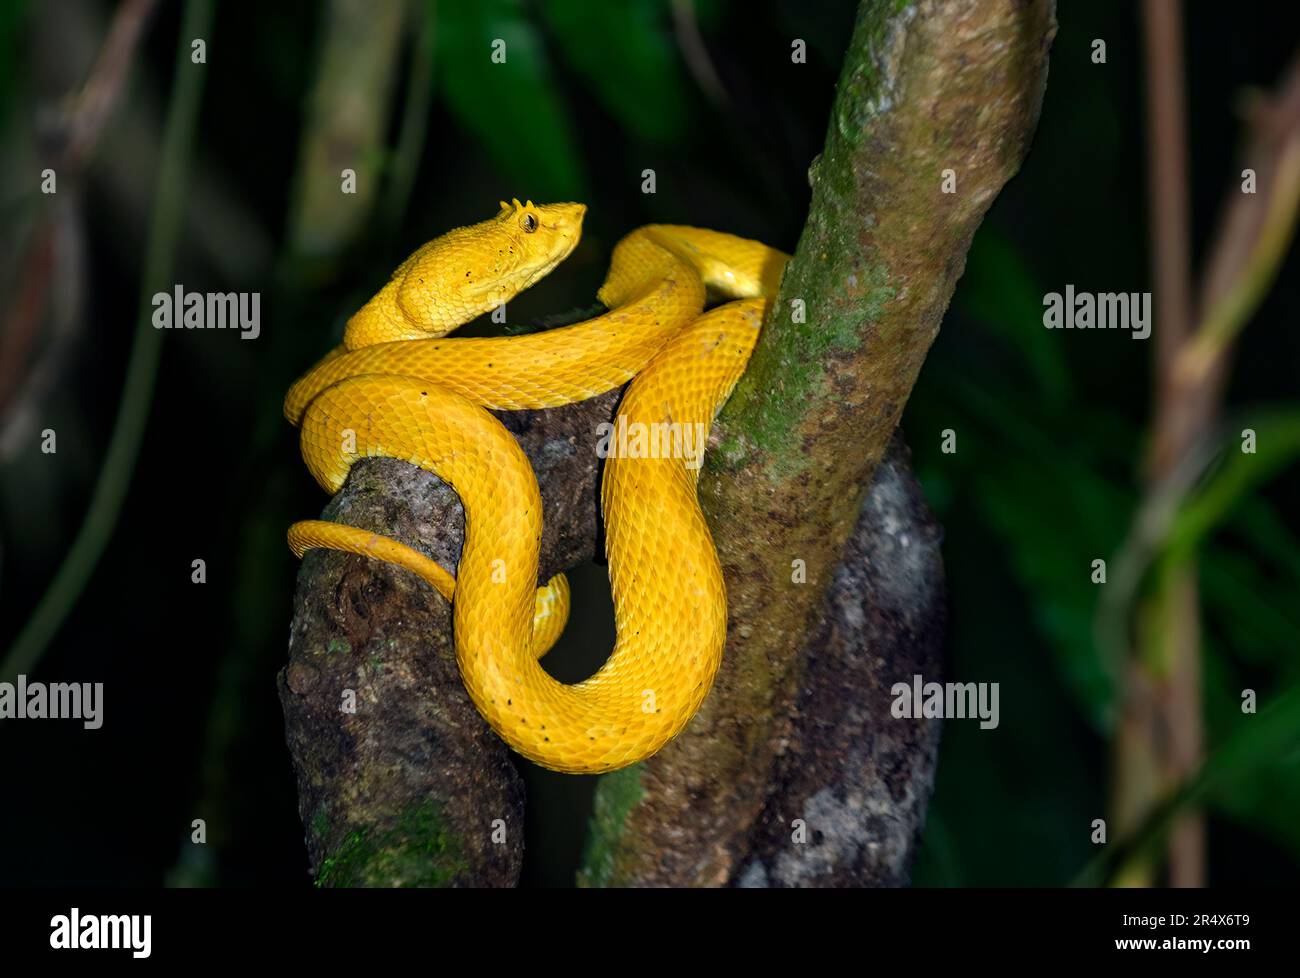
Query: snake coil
pixel 396 388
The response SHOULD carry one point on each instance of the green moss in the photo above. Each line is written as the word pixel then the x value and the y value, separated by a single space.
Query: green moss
pixel 616 795
pixel 771 398
pixel 862 92
pixel 844 296
pixel 418 850
pixel 320 823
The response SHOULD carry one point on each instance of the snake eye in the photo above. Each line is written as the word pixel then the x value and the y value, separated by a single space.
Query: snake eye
pixel 529 223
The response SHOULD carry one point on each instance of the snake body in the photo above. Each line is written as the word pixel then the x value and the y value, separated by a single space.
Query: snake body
pixel 396 388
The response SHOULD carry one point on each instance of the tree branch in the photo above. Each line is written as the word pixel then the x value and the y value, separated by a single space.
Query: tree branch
pixel 407 789
pixel 926 87
pixel 413 788
pixel 857 778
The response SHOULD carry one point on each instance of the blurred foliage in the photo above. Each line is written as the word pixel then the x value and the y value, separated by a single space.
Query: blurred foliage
pixel 511 106
pixel 1052 463
pixel 627 41
pixel 12 20
pixel 1050 425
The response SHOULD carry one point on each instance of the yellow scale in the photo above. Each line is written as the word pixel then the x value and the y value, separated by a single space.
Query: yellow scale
pixel 406 393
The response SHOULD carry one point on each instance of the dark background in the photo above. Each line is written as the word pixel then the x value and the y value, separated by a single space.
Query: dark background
pixel 1051 425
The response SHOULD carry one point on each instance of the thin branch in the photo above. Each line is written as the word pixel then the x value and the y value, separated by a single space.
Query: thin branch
pixel 687 28
pixel 1167 182
pixel 1255 232
pixel 137 392
pixel 70 138
pixel 79 130
pixel 1172 637
pixel 1159 741
pixel 415 115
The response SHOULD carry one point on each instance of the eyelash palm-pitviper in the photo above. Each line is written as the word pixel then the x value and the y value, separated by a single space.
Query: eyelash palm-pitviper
pixel 396 389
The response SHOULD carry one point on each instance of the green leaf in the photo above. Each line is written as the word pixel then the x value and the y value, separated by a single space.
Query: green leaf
pixel 509 106
pixel 1055 516
pixel 1254 779
pixel 1237 779
pixel 999 293
pixel 1258 523
pixel 627 53
pixel 1277 443
pixel 1052 557
pixel 1254 611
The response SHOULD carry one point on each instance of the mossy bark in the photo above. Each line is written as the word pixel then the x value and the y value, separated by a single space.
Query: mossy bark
pixel 847 797
pixel 414 789
pixel 400 781
pixel 934 96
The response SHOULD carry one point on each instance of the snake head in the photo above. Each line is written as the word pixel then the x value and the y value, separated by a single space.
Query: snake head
pixel 539 237
pixel 507 254
pixel 467 272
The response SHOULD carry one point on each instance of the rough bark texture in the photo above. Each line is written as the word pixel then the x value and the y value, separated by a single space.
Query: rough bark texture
pixel 406 790
pixel 847 800
pixel 927 87
pixel 412 787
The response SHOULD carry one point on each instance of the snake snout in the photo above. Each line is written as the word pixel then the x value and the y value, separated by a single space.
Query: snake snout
pixel 564 220
pixel 561 228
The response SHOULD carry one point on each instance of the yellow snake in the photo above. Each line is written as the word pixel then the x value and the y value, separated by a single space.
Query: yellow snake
pixel 396 389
